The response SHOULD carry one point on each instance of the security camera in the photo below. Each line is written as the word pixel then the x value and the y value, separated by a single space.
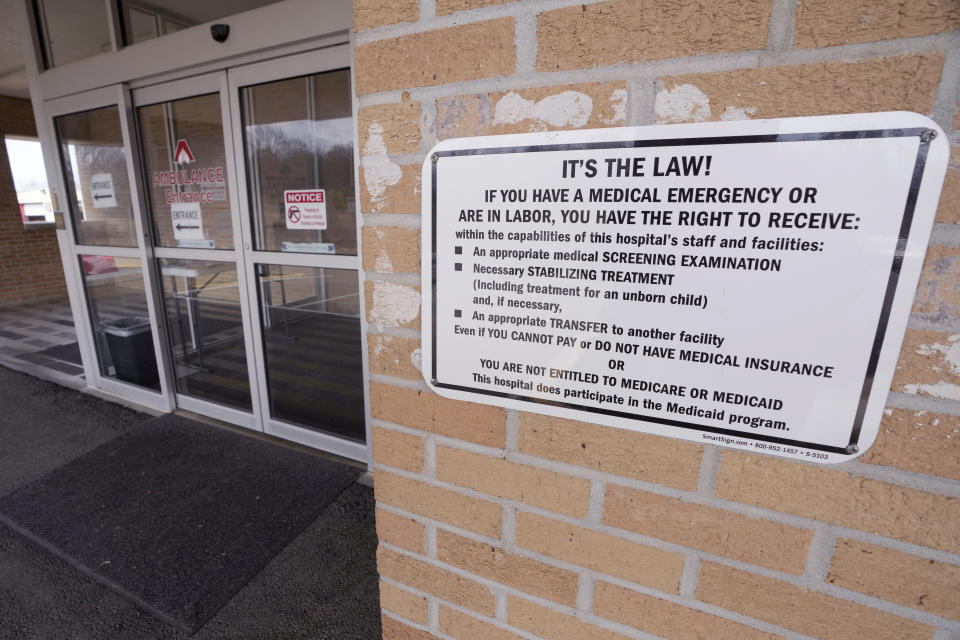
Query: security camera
pixel 220 32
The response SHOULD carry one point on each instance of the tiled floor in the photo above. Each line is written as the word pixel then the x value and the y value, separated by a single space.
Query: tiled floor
pixel 27 331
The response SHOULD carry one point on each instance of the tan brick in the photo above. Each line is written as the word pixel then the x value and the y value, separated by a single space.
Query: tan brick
pixel 391 249
pixel 627 453
pixel 596 35
pixel 799 609
pixel 397 124
pixel 826 23
pixel 572 106
pixel 906 83
pixel 435 503
pixel 403 603
pixel 478 423
pixel 463 627
pixel 604 553
pixel 547 623
pixel 455 54
pixel 435 581
pixel 391 304
pixel 396 190
pixel 918 441
pixel 393 356
pixel 840 498
pixel 752 540
pixel 918 583
pixel 449 6
pixel 665 619
pixel 396 630
pixel 400 531
pixel 929 364
pixel 948 210
pixel 368 14
pixel 938 293
pixel 498 477
pixel 399 450
pixel 536 578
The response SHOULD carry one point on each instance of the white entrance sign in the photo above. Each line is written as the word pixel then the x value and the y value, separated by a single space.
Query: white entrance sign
pixel 187 220
pixel 305 209
pixel 101 191
pixel 745 284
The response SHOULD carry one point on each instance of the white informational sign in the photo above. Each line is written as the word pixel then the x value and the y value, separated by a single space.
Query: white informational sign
pixel 305 208
pixel 745 283
pixel 101 191
pixel 187 220
pixel 308 247
pixel 195 244
pixel 213 186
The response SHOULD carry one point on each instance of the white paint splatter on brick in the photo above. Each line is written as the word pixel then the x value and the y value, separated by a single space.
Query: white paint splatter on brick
pixel 379 344
pixel 925 350
pixel 416 359
pixel 618 99
pixel 394 304
pixel 951 357
pixel 940 390
pixel 681 104
pixel 951 352
pixel 379 171
pixel 737 113
pixel 383 264
pixel 566 109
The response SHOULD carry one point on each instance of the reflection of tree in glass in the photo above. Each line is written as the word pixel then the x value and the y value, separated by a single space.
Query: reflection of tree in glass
pixel 304 154
pixel 95 159
pixel 295 137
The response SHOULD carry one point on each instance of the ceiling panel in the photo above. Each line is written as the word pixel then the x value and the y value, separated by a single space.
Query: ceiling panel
pixel 13 78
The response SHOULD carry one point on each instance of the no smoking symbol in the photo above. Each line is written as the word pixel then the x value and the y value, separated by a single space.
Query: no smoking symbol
pixel 293 213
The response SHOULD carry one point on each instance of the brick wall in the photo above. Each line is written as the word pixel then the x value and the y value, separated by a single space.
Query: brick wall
pixel 499 524
pixel 30 267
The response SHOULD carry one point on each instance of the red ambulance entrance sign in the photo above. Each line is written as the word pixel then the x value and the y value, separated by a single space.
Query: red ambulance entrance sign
pixel 305 209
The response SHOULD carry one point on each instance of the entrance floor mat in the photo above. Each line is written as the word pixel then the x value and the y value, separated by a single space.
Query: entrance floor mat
pixel 176 515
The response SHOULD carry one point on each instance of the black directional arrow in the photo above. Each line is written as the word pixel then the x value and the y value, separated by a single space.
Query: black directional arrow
pixel 181 227
pixel 98 197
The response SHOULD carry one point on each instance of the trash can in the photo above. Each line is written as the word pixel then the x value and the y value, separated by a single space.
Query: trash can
pixel 130 341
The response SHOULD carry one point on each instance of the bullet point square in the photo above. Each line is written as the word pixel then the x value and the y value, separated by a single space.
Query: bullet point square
pixel 458 267
pixel 458 250
pixel 457 313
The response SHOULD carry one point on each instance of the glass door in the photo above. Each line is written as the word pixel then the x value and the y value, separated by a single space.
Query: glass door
pixel 107 263
pixel 294 138
pixel 190 193
pixel 248 180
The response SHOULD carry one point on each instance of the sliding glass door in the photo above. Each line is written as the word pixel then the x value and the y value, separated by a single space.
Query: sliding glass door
pixel 248 180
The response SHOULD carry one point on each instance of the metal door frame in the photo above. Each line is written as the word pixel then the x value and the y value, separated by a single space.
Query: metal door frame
pixel 206 84
pixel 303 64
pixel 273 42
pixel 119 96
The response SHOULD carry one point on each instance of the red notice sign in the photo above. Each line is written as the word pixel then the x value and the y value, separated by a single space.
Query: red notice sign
pixel 305 209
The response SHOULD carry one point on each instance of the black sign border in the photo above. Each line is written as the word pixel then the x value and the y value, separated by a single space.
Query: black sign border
pixel 925 135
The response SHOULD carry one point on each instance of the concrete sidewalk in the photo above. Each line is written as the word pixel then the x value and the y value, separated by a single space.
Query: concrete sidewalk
pixel 323 585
